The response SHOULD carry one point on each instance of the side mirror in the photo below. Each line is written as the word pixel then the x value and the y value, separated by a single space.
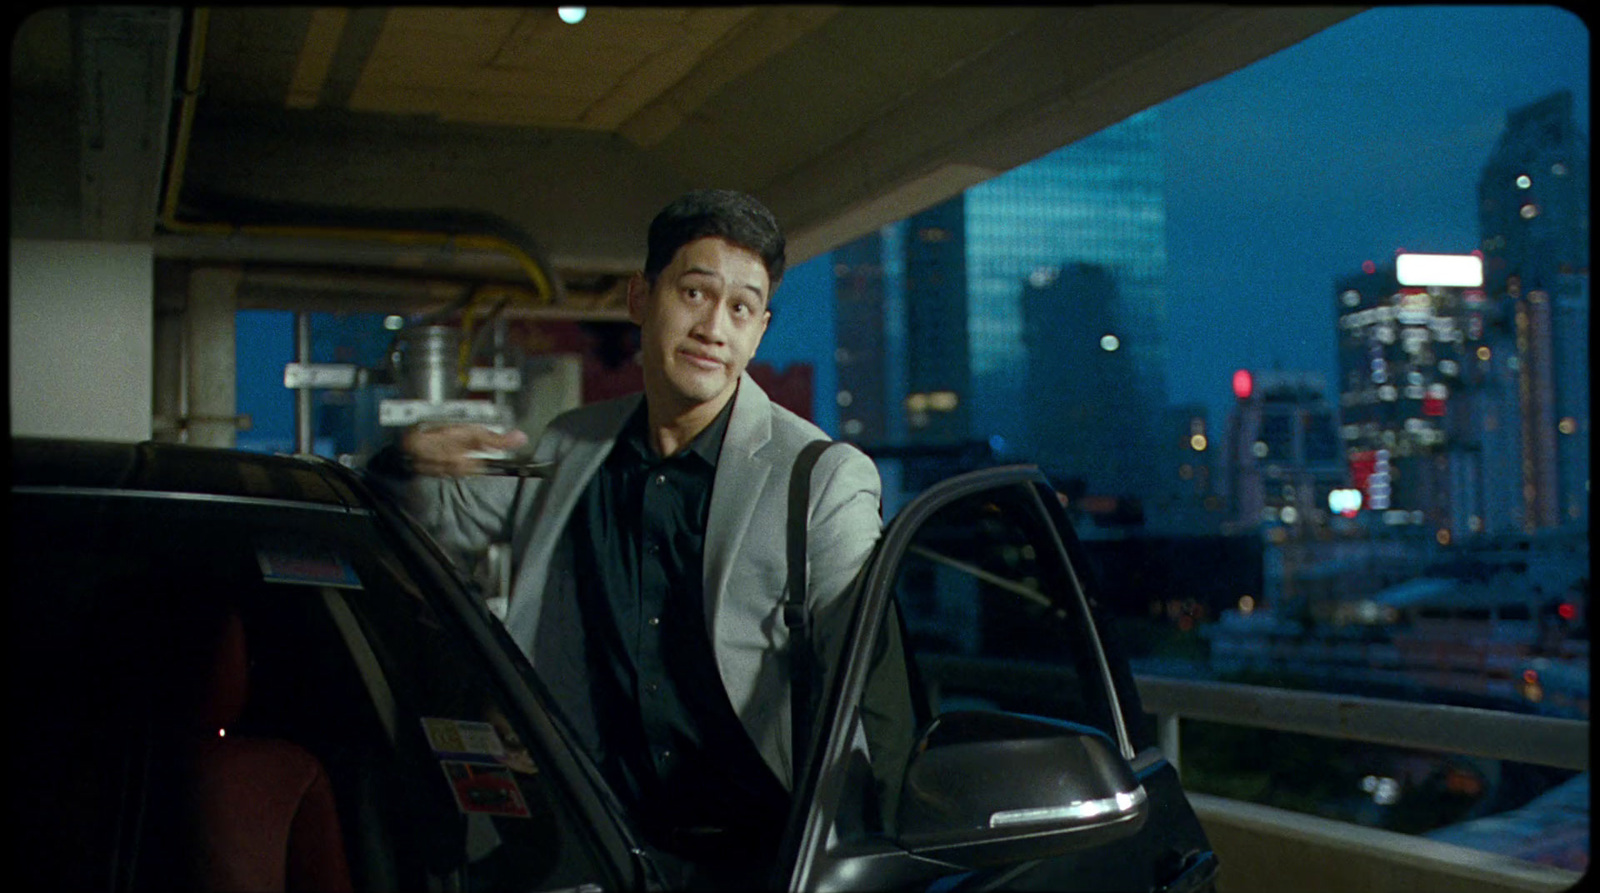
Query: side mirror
pixel 986 788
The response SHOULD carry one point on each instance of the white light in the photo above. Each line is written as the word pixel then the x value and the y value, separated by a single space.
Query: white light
pixel 1109 342
pixel 394 323
pixel 1465 270
pixel 1344 499
pixel 1387 792
pixel 1289 515
pixel 572 15
pixel 1077 809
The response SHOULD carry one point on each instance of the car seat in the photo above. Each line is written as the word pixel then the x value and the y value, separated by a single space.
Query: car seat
pixel 265 806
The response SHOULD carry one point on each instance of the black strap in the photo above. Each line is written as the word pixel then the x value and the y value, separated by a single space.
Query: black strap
pixel 796 617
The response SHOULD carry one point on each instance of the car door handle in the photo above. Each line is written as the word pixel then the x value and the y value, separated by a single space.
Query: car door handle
pixel 1198 872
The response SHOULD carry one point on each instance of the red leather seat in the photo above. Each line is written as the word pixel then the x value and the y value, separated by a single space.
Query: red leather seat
pixel 266 809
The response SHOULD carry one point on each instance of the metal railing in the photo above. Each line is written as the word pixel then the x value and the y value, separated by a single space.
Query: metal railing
pixel 1496 734
pixel 1266 848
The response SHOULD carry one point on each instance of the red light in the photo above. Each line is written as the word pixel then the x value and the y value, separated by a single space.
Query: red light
pixel 1432 406
pixel 1530 676
pixel 1369 267
pixel 1362 465
pixel 1567 611
pixel 1243 384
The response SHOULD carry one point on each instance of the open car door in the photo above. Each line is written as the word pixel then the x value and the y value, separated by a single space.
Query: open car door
pixel 981 730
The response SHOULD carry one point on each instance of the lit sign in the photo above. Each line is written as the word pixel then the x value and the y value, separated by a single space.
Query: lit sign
pixel 1344 502
pixel 1463 270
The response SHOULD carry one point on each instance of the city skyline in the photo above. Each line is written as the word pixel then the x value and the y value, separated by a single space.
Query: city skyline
pixel 1287 174
pixel 1364 139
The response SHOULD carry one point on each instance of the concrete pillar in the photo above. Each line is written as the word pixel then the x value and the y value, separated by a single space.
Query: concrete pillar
pixel 209 339
pixel 168 394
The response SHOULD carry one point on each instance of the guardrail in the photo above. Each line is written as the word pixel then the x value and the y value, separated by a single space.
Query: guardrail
pixel 1540 740
pixel 1497 734
pixel 1263 848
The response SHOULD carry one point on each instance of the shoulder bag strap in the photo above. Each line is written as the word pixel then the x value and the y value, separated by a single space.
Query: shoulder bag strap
pixel 796 616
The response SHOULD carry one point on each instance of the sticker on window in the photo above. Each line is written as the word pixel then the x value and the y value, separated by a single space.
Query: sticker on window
pixel 484 789
pixel 463 738
pixel 304 563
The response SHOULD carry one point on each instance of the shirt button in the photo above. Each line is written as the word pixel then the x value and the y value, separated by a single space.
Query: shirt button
pixel 653 549
pixel 666 755
pixel 661 479
pixel 651 687
pixel 654 621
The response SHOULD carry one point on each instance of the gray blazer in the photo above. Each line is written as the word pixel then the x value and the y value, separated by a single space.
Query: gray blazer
pixel 746 571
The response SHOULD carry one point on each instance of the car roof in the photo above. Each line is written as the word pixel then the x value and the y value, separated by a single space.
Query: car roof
pixel 161 467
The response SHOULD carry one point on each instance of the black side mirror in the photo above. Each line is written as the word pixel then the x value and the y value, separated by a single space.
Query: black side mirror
pixel 986 788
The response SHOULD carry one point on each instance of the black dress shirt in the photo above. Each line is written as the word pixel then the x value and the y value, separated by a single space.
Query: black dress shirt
pixel 672 745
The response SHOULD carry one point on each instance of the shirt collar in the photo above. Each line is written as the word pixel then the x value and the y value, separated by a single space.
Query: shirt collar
pixel 707 444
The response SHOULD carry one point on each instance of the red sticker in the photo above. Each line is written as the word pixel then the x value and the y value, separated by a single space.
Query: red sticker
pixel 484 789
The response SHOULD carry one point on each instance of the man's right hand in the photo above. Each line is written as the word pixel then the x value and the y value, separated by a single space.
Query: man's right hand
pixel 445 450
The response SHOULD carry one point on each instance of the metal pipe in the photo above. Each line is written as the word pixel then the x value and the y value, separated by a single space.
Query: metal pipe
pixel 303 441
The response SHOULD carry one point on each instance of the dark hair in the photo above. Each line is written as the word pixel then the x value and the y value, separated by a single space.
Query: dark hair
pixel 734 216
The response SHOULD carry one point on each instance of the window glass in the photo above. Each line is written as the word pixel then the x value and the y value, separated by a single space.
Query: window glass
pixel 342 661
pixel 992 616
pixel 984 616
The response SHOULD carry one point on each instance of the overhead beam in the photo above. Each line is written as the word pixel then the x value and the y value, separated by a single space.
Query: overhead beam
pixel 1070 74
pixel 125 64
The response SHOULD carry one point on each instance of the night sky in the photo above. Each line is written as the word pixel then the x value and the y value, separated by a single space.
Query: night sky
pixel 1363 139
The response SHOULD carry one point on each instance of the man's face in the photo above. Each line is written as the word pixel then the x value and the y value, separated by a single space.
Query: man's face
pixel 701 322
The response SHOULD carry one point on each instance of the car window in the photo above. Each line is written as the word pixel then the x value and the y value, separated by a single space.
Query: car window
pixel 985 615
pixel 435 780
pixel 992 617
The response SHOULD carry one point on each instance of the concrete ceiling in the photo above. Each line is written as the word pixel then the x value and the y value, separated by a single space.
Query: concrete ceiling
pixel 302 134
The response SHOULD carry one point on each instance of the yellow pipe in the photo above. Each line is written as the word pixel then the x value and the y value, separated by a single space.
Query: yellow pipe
pixel 169 216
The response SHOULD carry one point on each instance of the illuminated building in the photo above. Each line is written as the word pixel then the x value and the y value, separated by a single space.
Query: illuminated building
pixel 1534 223
pixel 859 338
pixel 954 276
pixel 1282 456
pixel 1411 389
pixel 1188 489
pixel 938 351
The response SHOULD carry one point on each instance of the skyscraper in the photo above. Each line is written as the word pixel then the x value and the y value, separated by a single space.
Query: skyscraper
pixel 1096 424
pixel 1282 458
pixel 1097 201
pixel 1414 373
pixel 1534 222
pixel 858 289
pixel 967 264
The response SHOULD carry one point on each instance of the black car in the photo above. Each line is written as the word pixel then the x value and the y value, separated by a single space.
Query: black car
pixel 238 671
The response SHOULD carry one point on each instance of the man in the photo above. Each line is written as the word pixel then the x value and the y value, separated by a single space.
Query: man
pixel 649 568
